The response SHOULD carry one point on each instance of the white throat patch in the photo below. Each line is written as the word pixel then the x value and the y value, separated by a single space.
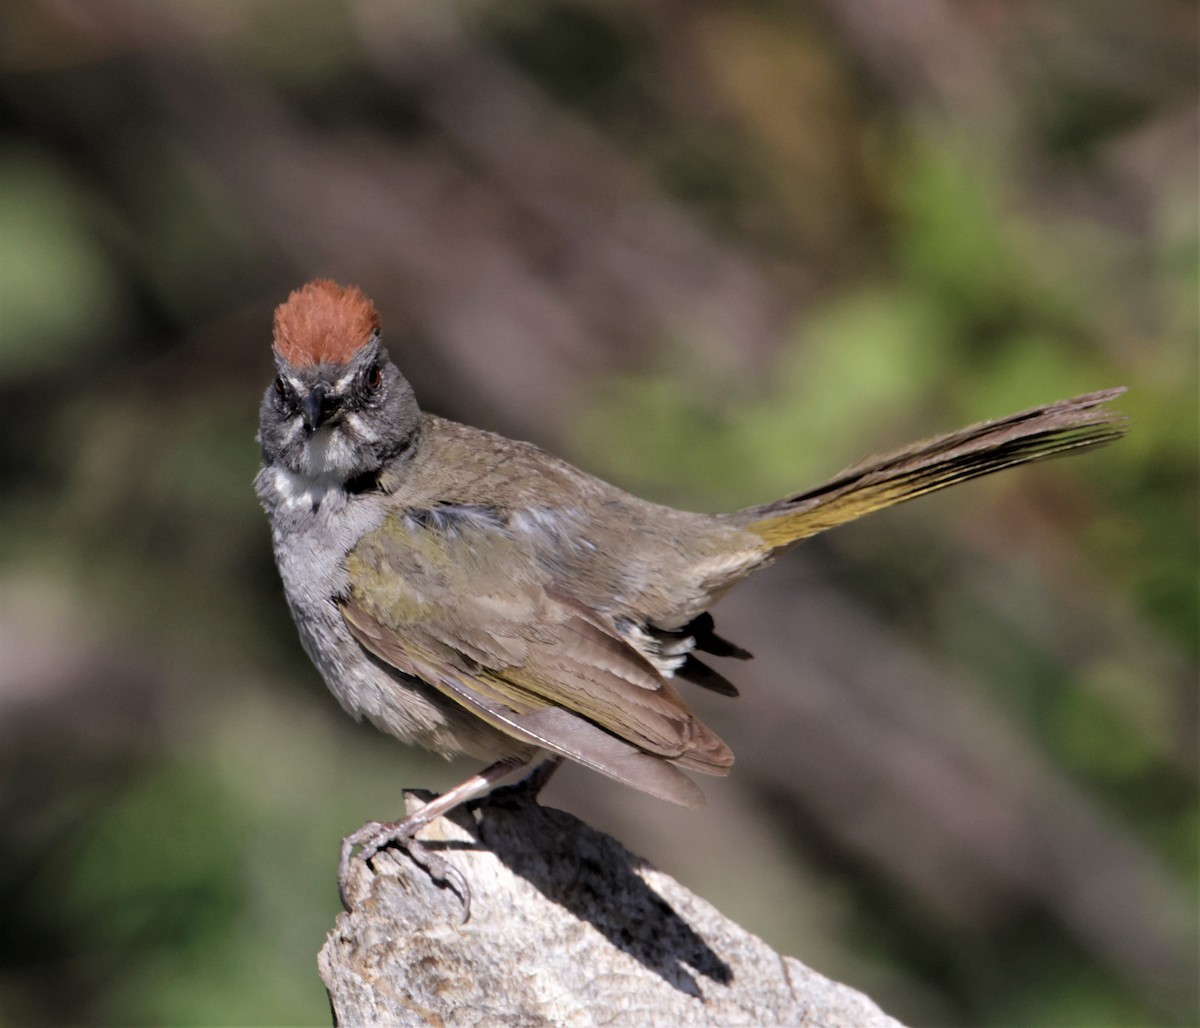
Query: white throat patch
pixel 301 491
pixel 328 451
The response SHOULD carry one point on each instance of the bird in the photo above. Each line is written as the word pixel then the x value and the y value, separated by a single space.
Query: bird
pixel 478 596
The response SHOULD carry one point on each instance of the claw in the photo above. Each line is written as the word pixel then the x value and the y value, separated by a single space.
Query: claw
pixel 378 835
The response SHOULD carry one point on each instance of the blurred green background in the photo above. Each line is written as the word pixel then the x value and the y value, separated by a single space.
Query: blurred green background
pixel 715 252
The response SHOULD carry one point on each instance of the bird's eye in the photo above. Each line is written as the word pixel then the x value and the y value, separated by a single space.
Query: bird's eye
pixel 285 391
pixel 285 394
pixel 374 377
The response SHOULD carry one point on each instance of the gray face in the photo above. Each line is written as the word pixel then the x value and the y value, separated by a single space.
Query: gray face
pixel 334 422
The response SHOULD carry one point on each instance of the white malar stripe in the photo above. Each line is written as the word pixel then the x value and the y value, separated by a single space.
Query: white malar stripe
pixel 362 430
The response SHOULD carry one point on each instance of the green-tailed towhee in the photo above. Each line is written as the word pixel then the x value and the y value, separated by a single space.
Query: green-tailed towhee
pixel 477 595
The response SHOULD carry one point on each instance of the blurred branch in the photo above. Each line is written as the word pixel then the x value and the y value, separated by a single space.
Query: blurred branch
pixel 633 259
pixel 566 927
pixel 926 51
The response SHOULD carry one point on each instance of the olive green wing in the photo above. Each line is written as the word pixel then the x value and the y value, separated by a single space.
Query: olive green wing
pixel 457 599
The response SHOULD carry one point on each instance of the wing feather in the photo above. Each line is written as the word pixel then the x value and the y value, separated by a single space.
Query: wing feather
pixel 548 727
pixel 465 606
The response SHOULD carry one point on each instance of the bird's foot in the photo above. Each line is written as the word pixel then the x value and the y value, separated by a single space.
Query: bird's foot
pixel 376 836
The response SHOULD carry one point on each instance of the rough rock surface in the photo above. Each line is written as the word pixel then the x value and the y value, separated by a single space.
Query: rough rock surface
pixel 566 927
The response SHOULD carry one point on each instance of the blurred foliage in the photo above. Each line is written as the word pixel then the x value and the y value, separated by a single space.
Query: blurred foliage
pixel 942 253
pixel 59 293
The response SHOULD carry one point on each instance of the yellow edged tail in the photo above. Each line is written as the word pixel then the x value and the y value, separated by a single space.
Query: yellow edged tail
pixel 1080 423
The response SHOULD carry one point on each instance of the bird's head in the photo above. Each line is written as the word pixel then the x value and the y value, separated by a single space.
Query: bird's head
pixel 338 407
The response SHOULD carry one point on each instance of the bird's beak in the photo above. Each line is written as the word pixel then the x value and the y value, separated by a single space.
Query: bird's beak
pixel 318 407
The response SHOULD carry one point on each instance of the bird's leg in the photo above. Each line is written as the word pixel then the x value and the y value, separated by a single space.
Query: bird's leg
pixel 534 780
pixel 375 835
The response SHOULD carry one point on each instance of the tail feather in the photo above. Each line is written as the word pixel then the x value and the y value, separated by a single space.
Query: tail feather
pixel 1076 424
